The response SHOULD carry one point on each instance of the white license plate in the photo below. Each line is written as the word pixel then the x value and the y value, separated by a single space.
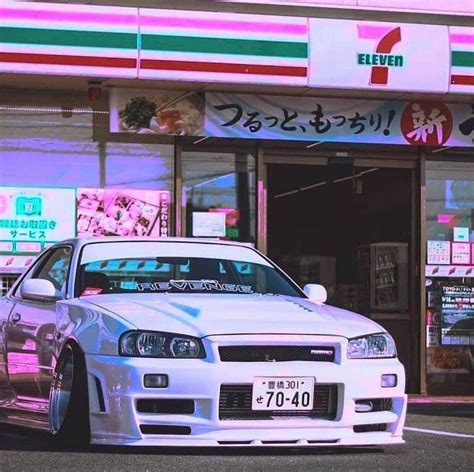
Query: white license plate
pixel 283 393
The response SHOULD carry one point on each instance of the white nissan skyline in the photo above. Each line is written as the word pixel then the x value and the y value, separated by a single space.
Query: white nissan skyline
pixel 188 342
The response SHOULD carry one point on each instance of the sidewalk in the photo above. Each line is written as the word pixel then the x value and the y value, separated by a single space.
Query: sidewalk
pixel 439 399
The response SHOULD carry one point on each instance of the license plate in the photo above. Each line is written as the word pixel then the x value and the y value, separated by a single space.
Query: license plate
pixel 283 393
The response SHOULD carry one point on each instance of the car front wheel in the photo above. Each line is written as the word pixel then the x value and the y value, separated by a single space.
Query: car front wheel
pixel 68 398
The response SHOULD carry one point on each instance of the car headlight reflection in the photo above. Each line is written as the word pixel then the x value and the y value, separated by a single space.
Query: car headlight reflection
pixel 155 344
pixel 374 346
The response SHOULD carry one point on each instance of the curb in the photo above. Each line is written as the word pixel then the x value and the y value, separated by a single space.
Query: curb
pixel 440 399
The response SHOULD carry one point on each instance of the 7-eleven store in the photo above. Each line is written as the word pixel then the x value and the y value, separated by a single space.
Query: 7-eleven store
pixel 341 148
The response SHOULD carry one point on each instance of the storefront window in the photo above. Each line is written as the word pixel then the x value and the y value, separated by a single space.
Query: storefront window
pixel 450 275
pixel 219 195
pixel 48 147
pixel 136 200
pixel 57 182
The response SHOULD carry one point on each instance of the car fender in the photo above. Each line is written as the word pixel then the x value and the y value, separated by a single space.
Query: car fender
pixel 96 331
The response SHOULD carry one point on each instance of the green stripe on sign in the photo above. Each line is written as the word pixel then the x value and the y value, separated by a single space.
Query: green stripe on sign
pixel 247 47
pixel 462 58
pixel 94 39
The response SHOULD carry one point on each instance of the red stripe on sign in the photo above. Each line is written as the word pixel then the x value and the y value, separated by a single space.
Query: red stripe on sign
pixel 462 79
pixel 54 59
pixel 223 68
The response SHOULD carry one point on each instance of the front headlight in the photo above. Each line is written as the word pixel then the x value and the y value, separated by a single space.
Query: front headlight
pixel 374 346
pixel 155 344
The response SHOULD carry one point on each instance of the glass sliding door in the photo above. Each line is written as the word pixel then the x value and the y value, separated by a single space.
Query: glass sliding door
pixel 219 195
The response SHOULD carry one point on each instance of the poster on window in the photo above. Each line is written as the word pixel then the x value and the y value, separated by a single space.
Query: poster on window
pixel 461 253
pixel 32 218
pixel 207 224
pixel 450 360
pixel 457 315
pixel 439 252
pixel 123 212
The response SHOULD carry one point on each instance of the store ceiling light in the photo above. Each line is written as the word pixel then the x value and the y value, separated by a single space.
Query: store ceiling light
pixel 320 184
pixel 441 149
pixel 27 109
pixel 200 140
pixel 312 145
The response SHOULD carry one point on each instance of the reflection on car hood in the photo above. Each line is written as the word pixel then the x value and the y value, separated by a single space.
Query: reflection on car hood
pixel 208 314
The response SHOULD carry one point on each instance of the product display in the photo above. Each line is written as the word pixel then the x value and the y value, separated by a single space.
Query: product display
pixel 383 271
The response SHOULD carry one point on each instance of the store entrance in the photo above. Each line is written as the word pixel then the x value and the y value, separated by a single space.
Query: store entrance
pixel 350 229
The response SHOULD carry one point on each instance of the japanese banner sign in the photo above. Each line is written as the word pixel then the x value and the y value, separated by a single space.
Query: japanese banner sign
pixel 336 120
pixel 30 218
pixel 378 55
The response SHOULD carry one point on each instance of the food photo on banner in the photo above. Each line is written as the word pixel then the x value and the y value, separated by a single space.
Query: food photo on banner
pixel 156 112
pixel 122 212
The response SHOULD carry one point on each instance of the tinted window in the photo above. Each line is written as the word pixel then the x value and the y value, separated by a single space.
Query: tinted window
pixel 55 269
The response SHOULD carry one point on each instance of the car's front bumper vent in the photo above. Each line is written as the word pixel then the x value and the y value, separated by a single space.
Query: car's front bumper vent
pixel 276 353
pixel 165 429
pixel 235 403
pixel 166 406
pixel 370 428
pixel 374 404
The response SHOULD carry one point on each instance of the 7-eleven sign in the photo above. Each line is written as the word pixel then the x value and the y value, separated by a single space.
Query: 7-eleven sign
pixel 382 58
pixel 378 55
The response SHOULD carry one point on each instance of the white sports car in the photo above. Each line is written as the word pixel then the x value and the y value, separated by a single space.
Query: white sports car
pixel 188 342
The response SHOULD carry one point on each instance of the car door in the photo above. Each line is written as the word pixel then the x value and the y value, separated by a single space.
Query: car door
pixel 30 330
pixel 6 306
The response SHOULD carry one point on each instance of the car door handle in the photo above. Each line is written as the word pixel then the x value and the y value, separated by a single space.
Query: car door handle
pixel 16 317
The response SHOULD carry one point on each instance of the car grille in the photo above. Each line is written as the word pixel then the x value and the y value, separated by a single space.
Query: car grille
pixel 235 403
pixel 276 353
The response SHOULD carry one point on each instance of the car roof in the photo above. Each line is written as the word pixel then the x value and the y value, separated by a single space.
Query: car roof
pixel 81 241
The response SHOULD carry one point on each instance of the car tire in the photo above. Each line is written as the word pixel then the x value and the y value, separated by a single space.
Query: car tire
pixel 69 399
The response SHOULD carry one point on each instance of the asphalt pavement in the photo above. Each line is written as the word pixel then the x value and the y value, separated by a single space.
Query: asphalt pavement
pixel 438 437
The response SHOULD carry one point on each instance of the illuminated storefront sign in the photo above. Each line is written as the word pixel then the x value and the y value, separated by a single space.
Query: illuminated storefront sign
pixel 223 47
pixel 461 40
pixel 30 218
pixel 378 55
pixel 101 41
pixel 78 40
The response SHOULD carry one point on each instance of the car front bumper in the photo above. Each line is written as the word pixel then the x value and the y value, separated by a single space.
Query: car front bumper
pixel 116 385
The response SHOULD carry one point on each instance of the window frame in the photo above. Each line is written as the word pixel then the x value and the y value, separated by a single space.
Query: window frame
pixel 38 266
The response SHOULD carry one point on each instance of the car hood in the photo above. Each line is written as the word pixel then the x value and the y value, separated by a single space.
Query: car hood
pixel 208 314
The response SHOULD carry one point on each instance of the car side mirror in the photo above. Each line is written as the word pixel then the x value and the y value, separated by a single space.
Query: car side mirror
pixel 38 290
pixel 316 293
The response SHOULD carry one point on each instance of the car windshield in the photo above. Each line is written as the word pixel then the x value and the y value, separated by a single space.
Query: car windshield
pixel 189 268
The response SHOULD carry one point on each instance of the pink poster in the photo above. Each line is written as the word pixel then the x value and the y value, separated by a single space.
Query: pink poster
pixel 461 253
pixel 122 212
